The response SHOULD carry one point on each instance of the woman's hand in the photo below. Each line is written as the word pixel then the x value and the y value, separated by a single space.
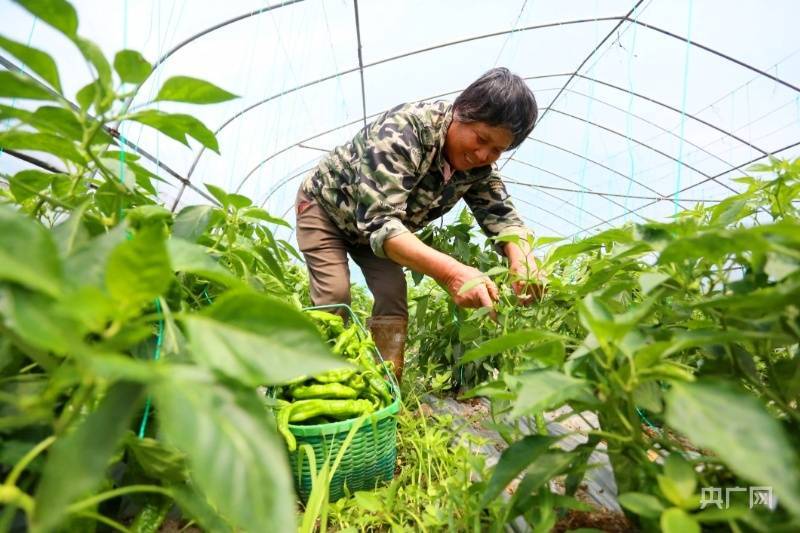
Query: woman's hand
pixel 530 283
pixel 407 250
pixel 482 294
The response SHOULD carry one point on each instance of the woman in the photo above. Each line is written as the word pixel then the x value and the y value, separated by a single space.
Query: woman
pixel 406 169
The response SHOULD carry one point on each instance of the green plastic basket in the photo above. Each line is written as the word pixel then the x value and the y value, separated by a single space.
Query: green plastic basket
pixel 368 461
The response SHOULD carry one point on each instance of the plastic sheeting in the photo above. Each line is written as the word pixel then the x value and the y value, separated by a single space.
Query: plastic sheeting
pixel 635 123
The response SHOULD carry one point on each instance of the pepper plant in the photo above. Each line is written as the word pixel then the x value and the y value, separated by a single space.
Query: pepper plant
pixel 683 338
pixel 132 340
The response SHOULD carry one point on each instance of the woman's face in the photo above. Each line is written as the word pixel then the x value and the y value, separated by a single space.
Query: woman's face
pixel 475 144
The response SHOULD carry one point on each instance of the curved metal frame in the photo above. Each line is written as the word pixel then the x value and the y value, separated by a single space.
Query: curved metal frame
pixel 161 60
pixel 788 147
pixel 598 193
pixel 272 156
pixel 664 130
pixel 563 201
pixel 572 75
pixel 186 182
pixel 587 190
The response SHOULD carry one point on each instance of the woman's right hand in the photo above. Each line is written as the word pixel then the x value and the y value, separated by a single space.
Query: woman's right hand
pixel 484 294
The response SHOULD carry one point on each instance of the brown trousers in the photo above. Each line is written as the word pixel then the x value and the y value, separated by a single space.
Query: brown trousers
pixel 325 249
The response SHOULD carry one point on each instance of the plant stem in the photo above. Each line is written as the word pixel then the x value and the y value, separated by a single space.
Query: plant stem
pixel 78 507
pixel 104 520
pixel 26 460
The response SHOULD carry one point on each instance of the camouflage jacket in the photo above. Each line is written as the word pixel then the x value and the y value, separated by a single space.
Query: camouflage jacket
pixel 391 180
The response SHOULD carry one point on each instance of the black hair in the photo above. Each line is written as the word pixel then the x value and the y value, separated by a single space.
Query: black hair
pixel 499 98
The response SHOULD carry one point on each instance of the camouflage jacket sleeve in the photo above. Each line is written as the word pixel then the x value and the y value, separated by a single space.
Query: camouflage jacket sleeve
pixel 390 156
pixel 493 210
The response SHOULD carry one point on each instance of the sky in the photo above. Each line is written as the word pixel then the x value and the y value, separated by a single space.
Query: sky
pixel 645 115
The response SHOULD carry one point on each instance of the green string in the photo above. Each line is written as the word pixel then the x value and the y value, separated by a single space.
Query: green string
pixel 122 158
pixel 644 418
pixel 628 131
pixel 683 108
pixel 156 357
pixel 587 134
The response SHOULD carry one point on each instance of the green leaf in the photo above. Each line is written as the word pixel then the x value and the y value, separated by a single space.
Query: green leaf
pixel 676 520
pixel 14 85
pixel 50 119
pixel 39 321
pixel 193 91
pixel 513 461
pixel 194 258
pixel 8 113
pixel 145 215
pixel 672 491
pixel 648 396
pixel 260 214
pixel 218 193
pixel 115 367
pixel 95 56
pixel 710 246
pixel 779 266
pixel 27 183
pixel 157 459
pixel 138 269
pixel 36 60
pixel 192 222
pixel 546 389
pixel 87 95
pixel 734 425
pixel 58 13
pixel 545 468
pixel 680 471
pixel 177 126
pixel 258 340
pixel 550 353
pixel 239 201
pixel 472 283
pixel 195 506
pixel 368 501
pixel 650 280
pixel 237 461
pixel 641 504
pixel 40 142
pixel 131 66
pixel 28 255
pixel 496 271
pixel 87 262
pixel 77 463
pixel 507 342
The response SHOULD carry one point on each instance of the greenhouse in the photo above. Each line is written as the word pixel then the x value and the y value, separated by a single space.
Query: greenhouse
pixel 341 265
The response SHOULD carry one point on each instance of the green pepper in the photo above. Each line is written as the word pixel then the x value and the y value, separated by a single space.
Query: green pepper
pixel 379 385
pixel 283 426
pixel 152 514
pixel 328 390
pixel 357 382
pixel 345 339
pixel 339 409
pixel 365 355
pixel 330 325
pixel 335 376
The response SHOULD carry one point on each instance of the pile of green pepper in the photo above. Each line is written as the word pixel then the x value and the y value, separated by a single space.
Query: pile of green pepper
pixel 336 394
